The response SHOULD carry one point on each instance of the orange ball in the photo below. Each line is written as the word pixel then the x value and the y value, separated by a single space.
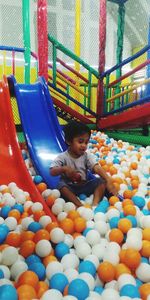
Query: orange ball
pixel 113 200
pixel 48 259
pixel 106 271
pixel 51 226
pixel 124 225
pixel 148 205
pixel 27 235
pixel 129 210
pixel 135 183
pixel 134 165
pixel 122 255
pixel 112 170
pixel 146 234
pixel 127 202
pixel 50 200
pixel 67 225
pixel 116 235
pixel 144 290
pixel 73 214
pixel 42 287
pixel 27 248
pixel 15 213
pixel 145 251
pixel 132 258
pixel 41 187
pixel 38 214
pixel 79 224
pixel 13 239
pixel 26 292
pixel 127 194
pixel 28 277
pixel 121 269
pixel 41 234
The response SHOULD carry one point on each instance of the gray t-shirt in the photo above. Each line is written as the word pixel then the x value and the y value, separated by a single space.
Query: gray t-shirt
pixel 82 164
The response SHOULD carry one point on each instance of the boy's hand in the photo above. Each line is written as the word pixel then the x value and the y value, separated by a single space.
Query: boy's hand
pixel 111 188
pixel 73 175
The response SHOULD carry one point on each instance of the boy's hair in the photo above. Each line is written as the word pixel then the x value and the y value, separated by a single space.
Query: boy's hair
pixel 74 129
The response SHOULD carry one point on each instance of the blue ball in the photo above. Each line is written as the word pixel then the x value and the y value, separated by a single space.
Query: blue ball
pixel 39 269
pixel 61 249
pixel 5 211
pixel 113 222
pixel 79 289
pixel 1 274
pixel 82 197
pixel 116 161
pixel 8 292
pixel 133 220
pixel 87 266
pixel 34 226
pixel 19 207
pixel 130 290
pixel 37 179
pixel 144 260
pixel 145 212
pixel 3 233
pixel 58 281
pixel 33 258
pixel 98 289
pixel 138 282
pixel 138 201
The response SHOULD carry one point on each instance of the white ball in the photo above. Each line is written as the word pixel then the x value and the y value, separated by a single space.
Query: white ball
pixel 99 251
pixel 134 242
pixel 45 220
pixel 11 222
pixel 83 250
pixel 55 193
pixel 18 268
pixel 93 258
pixel 112 284
pixel 114 247
pixel 61 216
pixel 88 214
pixel 89 279
pixel 43 248
pixel 26 222
pixel 101 227
pixel 46 193
pixel 69 206
pixel 125 279
pixel 71 274
pixel 53 268
pixel 5 281
pixel 70 298
pixel 52 294
pixel 100 217
pixel 37 206
pixel 78 240
pixel 112 213
pixel 111 257
pixel 93 237
pixel 90 224
pixel 135 232
pixel 110 294
pixel 93 296
pixel 143 272
pixel 69 240
pixel 57 208
pixel 60 201
pixel 6 271
pixel 70 261
pixel 9 256
pixel 57 235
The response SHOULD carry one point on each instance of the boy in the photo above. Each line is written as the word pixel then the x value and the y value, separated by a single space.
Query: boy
pixel 73 166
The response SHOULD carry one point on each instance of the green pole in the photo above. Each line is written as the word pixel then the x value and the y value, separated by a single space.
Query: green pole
pixel 26 37
pixel 120 34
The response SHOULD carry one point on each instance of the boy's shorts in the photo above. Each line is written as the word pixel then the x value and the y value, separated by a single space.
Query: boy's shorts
pixel 86 188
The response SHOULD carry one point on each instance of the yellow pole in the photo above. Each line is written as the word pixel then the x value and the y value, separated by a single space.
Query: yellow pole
pixel 77 40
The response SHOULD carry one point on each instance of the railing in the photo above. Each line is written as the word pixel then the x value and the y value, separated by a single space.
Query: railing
pixel 120 96
pixel 72 87
pixel 9 65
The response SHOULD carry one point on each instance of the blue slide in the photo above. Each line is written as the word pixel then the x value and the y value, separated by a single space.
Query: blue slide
pixel 43 133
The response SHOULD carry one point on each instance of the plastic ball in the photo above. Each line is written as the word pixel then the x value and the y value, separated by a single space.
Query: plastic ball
pixel 18 268
pixel 116 235
pixel 71 274
pixel 8 292
pixel 82 197
pixel 89 279
pixel 3 233
pixel 79 289
pixel 52 294
pixel 39 269
pixel 67 225
pixel 58 281
pixel 43 248
pixel 130 290
pixel 132 258
pixel 106 271
pixel 83 250
pixel 93 237
pixel 5 211
pixel 29 278
pixel 110 294
pixel 70 261
pixel 38 179
pixel 53 268
pixel 61 249
pixel 87 266
pixel 143 272
pixel 57 235
pixel 144 290
pixel 34 226
pixel 9 256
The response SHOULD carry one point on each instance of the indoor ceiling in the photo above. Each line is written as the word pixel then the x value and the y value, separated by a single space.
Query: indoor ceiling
pixel 136 20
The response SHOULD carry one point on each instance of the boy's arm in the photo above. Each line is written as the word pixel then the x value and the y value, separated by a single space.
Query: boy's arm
pixel 109 184
pixel 69 172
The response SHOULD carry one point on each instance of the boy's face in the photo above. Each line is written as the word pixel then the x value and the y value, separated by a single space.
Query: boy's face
pixel 79 145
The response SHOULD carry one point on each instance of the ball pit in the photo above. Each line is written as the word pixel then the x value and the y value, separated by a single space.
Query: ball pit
pixel 87 253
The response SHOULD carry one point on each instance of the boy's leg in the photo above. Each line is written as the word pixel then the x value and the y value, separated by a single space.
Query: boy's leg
pixel 99 193
pixel 70 196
